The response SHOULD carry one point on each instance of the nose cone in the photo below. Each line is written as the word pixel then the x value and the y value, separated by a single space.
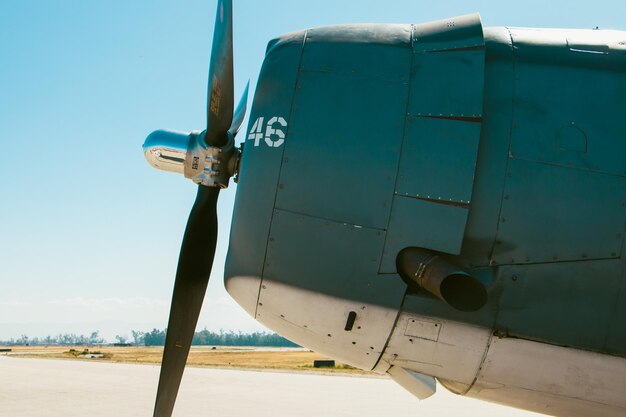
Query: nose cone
pixel 166 150
pixel 244 290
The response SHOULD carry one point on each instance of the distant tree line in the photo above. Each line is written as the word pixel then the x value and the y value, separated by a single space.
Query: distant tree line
pixel 61 339
pixel 156 337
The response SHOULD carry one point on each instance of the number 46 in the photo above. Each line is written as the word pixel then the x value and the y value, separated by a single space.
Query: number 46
pixel 274 135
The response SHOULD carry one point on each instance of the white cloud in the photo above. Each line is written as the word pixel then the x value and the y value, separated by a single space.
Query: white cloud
pixel 15 303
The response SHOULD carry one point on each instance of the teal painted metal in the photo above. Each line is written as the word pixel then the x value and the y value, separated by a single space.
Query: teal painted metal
pixel 519 132
pixel 572 228
pixel 337 167
pixel 305 263
pixel 441 139
pixel 572 303
pixel 375 52
pixel 259 175
pixel 482 224
pixel 448 83
pixel 616 331
pixel 564 194
pixel 569 102
pixel 428 169
pixel 456 33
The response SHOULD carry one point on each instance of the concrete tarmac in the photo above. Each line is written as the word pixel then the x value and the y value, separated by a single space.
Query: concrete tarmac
pixel 84 388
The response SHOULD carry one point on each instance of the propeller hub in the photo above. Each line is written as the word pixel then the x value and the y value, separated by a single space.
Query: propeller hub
pixel 166 150
pixel 188 154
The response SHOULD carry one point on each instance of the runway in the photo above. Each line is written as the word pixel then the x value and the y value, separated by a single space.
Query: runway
pixel 79 388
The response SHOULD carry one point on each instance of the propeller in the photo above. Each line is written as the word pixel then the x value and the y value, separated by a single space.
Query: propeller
pixel 201 157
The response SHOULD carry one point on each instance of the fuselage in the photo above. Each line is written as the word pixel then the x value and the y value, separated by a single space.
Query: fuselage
pixel 500 149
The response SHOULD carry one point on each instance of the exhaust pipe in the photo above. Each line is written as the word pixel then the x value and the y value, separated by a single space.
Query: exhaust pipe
pixel 441 278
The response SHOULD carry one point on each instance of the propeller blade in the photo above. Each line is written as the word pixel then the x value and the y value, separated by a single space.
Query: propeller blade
pixel 220 100
pixel 198 248
pixel 240 112
pixel 192 277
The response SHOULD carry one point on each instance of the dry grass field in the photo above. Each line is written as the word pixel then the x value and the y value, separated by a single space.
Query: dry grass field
pixel 292 359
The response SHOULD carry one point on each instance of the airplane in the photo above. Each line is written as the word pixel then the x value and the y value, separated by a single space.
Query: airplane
pixel 435 202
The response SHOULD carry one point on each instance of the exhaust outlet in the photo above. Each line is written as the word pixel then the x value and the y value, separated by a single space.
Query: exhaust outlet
pixel 441 278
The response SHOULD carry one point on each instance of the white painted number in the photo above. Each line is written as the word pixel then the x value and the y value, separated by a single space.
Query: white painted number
pixel 274 131
pixel 274 137
pixel 256 133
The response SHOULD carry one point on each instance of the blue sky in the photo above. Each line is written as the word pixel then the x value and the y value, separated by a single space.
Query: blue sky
pixel 89 233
